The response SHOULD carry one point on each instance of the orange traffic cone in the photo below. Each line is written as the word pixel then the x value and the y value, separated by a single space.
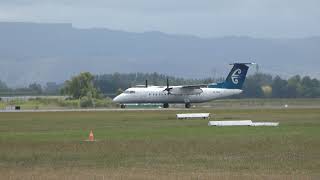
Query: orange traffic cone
pixel 91 136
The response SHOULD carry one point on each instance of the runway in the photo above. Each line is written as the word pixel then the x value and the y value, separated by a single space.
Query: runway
pixel 157 109
pixel 90 110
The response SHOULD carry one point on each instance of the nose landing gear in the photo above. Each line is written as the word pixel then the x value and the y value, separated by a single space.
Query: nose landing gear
pixel 122 106
pixel 166 105
pixel 188 105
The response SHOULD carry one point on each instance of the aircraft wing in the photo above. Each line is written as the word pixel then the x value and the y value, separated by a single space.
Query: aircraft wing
pixel 187 90
pixel 195 86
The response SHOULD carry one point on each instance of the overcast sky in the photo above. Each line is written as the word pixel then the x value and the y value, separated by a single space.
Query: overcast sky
pixel 205 18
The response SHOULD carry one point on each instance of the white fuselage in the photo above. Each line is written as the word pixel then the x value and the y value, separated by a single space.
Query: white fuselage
pixel 157 94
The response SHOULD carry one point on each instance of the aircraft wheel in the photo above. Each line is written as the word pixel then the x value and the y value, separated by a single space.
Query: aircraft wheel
pixel 166 105
pixel 122 106
pixel 188 105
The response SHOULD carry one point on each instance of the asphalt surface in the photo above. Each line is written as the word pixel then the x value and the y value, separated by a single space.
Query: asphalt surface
pixel 158 109
pixel 90 110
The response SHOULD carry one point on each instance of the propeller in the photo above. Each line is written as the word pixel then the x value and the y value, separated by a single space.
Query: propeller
pixel 146 83
pixel 168 88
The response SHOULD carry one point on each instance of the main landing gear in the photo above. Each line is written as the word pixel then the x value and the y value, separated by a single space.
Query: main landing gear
pixel 188 105
pixel 166 105
pixel 122 106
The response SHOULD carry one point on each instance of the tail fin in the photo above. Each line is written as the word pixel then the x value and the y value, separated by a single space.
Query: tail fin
pixel 235 78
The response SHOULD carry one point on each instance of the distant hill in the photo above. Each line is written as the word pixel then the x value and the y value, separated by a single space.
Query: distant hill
pixel 31 52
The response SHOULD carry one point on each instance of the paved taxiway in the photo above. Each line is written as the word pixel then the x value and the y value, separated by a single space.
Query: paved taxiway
pixel 89 110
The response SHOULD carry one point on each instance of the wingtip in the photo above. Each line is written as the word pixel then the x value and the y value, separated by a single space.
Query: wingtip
pixel 246 63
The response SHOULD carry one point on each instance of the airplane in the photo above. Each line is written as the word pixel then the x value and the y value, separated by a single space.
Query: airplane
pixel 186 94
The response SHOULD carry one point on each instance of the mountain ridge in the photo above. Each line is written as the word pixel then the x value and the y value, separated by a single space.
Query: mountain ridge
pixel 37 52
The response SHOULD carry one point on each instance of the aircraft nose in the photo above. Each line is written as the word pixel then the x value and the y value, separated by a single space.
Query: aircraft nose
pixel 117 99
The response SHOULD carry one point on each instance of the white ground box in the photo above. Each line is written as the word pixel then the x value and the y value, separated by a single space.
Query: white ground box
pixel 265 124
pixel 193 115
pixel 241 123
pixel 230 123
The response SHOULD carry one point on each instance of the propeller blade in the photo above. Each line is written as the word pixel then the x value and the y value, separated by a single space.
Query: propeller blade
pixel 168 87
pixel 146 83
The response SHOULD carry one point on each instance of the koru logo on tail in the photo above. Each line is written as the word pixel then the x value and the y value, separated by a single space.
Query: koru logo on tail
pixel 235 76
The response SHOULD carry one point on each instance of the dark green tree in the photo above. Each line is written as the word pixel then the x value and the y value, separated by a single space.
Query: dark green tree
pixel 294 87
pixel 80 86
pixel 36 88
pixel 279 87
pixel 254 83
pixel 310 87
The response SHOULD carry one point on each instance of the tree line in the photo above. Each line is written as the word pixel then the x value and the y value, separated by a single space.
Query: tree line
pixel 262 85
pixel 258 85
pixel 87 85
pixel 33 89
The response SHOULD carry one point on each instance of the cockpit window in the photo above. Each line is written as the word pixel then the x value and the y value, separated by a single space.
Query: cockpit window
pixel 129 92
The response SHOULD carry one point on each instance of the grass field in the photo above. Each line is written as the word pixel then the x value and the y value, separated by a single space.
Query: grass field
pixel 154 145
